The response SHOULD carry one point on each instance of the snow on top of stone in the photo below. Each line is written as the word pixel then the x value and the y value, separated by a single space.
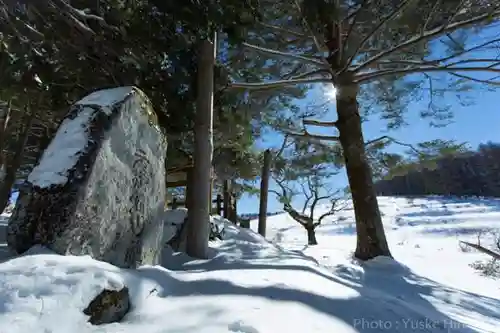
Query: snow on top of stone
pixel 106 98
pixel 63 152
pixel 72 138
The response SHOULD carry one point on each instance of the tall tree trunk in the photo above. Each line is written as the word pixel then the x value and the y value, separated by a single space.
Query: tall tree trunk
pixel 311 235
pixel 264 192
pixel 199 213
pixel 371 241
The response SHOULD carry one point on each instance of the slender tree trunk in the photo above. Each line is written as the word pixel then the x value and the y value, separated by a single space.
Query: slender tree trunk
pixel 234 209
pixel 311 235
pixel 227 199
pixel 199 213
pixel 371 241
pixel 264 192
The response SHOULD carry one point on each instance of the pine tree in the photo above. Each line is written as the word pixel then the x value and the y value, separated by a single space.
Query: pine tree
pixel 383 54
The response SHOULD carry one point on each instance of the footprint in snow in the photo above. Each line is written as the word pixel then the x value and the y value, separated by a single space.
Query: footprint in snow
pixel 240 327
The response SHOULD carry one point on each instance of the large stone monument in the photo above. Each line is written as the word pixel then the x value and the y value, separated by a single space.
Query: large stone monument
pixel 99 188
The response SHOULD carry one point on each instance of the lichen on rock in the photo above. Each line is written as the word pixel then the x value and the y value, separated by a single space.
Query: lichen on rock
pixel 110 306
pixel 102 191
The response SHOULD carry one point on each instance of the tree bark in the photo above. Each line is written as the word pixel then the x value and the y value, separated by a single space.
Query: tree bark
pixel 264 192
pixel 371 240
pixel 311 235
pixel 199 213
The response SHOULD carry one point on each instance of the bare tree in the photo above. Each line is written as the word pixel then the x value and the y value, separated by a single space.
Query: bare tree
pixel 311 188
pixel 305 169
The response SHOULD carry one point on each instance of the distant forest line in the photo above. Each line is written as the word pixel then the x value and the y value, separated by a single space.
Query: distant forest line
pixel 474 173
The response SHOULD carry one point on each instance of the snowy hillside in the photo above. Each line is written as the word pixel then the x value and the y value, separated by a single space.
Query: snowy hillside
pixel 255 286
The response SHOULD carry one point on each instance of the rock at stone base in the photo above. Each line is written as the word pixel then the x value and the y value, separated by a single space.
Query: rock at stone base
pixel 110 306
pixel 99 188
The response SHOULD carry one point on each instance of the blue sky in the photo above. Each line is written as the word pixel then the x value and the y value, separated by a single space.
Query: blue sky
pixel 475 124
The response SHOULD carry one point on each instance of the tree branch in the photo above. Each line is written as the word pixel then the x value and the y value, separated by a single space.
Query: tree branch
pixel 319 123
pixel 312 73
pixel 283 30
pixel 461 53
pixel 482 249
pixel 285 54
pixel 354 15
pixel 483 81
pixel 283 147
pixel 308 198
pixel 313 36
pixel 391 139
pixel 426 36
pixel 285 195
pixel 276 84
pixel 429 17
pixel 437 62
pixel 384 21
pixel 333 208
pixel 377 74
pixel 310 136
pixel 300 218
pixel 80 18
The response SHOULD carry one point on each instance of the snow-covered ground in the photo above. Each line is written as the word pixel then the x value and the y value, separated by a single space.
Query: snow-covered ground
pixel 255 286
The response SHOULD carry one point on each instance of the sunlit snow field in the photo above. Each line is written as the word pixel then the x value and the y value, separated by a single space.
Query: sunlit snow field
pixel 254 285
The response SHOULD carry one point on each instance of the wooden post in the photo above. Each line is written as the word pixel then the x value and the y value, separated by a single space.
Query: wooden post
pixel 218 203
pixel 233 217
pixel 189 189
pixel 245 223
pixel 227 198
pixel 199 214
pixel 210 201
pixel 264 192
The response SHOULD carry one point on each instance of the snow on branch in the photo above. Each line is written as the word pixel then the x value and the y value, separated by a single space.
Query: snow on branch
pixel 277 84
pixel 482 249
pixel 81 17
pixel 270 52
pixel 424 69
pixel 309 136
pixel 283 30
pixel 319 123
pixel 306 135
pixel 427 35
